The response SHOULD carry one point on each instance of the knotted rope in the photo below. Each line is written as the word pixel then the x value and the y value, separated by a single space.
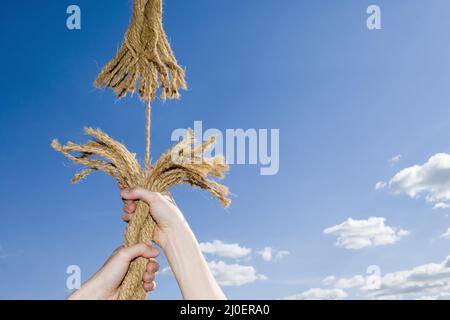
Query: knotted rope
pixel 145 59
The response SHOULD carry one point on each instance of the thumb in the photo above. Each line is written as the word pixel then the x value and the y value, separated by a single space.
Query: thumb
pixel 139 194
pixel 139 250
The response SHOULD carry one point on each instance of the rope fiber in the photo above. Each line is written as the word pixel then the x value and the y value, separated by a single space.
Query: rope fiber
pixel 145 60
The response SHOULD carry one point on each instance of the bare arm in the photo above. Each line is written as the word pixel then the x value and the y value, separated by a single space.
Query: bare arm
pixel 104 285
pixel 179 244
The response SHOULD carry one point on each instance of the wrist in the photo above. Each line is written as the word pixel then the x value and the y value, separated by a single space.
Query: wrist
pixel 175 236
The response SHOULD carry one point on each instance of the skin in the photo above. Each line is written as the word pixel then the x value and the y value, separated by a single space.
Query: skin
pixel 178 243
pixel 104 285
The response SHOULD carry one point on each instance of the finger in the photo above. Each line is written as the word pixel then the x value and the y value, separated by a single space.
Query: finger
pixel 129 206
pixel 148 277
pixel 152 266
pixel 139 250
pixel 127 217
pixel 149 286
pixel 140 194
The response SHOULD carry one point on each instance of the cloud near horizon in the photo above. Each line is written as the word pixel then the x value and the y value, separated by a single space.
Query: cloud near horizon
pixel 430 281
pixel 318 294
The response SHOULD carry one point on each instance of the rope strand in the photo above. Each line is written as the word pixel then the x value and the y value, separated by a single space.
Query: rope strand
pixel 147 164
pixel 145 63
pixel 108 155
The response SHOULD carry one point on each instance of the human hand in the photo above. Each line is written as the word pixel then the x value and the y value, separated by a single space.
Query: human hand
pixel 163 209
pixel 104 285
pixel 182 250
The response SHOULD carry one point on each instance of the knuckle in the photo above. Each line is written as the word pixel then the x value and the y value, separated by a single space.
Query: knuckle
pixel 141 247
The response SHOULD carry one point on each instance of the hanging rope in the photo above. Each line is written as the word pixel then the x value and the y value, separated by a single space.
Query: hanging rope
pixel 148 123
pixel 145 60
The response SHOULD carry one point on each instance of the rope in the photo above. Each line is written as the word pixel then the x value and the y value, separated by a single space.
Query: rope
pixel 145 60
pixel 122 165
pixel 147 163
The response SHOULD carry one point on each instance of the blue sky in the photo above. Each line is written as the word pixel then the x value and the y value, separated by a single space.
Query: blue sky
pixel 346 101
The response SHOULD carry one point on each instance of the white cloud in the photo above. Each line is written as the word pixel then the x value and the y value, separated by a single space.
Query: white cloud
pixel 234 274
pixel 441 205
pixel 225 250
pixel 319 294
pixel 347 283
pixel 358 234
pixel 269 254
pixel 446 235
pixel 395 159
pixel 380 185
pixel 431 179
pixel 328 281
pixel 428 281
pixel 425 282
pixel 228 274
pixel 439 296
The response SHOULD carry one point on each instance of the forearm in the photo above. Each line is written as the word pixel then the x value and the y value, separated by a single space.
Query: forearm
pixel 189 266
pixel 87 292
